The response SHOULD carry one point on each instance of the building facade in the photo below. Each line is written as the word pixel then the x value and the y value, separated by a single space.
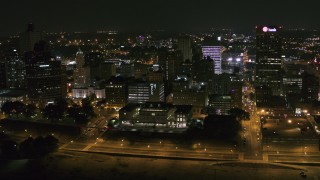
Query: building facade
pixel 80 93
pixel 185 47
pixel 81 73
pixel 46 79
pixel 269 69
pixel 214 53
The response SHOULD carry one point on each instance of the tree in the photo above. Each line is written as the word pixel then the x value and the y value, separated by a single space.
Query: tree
pixel 30 110
pixel 92 97
pixel 52 112
pixel 40 146
pixel 74 110
pixel 9 149
pixel 27 148
pixel 7 107
pixel 87 108
pixel 48 111
pixel 62 105
pixel 51 143
pixel 19 107
pixel 81 119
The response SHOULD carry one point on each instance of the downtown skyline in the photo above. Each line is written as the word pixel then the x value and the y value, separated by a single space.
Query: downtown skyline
pixel 131 89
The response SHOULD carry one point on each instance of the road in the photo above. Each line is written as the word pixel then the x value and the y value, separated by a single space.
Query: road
pixel 95 127
pixel 251 133
pixel 152 149
pixel 252 138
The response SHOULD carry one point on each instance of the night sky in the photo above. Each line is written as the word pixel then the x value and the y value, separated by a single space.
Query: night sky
pixel 173 15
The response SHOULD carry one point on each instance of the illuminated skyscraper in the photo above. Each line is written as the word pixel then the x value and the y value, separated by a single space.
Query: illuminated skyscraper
pixel 268 58
pixel 212 50
pixel 81 73
pixel 15 70
pixel 45 76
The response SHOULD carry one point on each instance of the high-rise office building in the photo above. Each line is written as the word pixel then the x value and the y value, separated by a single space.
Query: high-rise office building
pixel 28 39
pixel 203 71
pixel 3 83
pixel 15 70
pixel 81 72
pixel 185 47
pixel 45 76
pixel 141 92
pixel 268 58
pixel 220 103
pixel 138 92
pixel 310 87
pixel 170 64
pixel 117 91
pixel 212 50
pixel 100 68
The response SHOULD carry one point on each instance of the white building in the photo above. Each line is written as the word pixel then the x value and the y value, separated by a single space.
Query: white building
pixel 85 92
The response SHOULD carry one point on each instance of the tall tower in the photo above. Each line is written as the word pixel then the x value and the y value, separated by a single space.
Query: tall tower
pixel 268 58
pixel 81 73
pixel 45 75
pixel 212 49
pixel 214 53
pixel 2 75
pixel 15 70
pixel 184 46
pixel 28 39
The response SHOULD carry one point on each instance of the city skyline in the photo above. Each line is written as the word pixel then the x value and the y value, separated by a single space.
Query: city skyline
pixel 102 90
pixel 167 15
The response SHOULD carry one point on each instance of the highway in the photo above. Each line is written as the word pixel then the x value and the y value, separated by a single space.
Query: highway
pixel 152 149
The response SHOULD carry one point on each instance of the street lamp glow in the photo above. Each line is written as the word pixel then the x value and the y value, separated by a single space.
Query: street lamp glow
pixel 289 121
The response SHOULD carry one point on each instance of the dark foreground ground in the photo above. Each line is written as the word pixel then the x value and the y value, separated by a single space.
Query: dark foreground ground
pixel 74 165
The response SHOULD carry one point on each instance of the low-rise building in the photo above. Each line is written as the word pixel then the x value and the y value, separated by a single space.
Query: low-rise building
pixel 128 113
pixel 80 93
pixel 155 114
